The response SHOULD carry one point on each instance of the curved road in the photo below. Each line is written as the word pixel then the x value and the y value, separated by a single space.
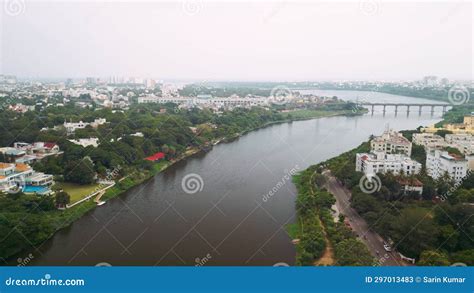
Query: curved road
pixel 372 240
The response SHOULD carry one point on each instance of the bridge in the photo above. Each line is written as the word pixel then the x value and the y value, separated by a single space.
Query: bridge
pixel 407 105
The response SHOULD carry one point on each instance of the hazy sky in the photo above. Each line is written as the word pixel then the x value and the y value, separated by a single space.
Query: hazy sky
pixel 237 41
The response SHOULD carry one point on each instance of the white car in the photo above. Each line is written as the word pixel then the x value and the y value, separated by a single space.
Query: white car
pixel 387 247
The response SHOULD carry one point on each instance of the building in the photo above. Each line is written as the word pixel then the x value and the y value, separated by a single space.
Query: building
pixel 27 153
pixel 379 162
pixel 439 163
pixel 391 142
pixel 156 157
pixel 72 126
pixel 18 175
pixel 463 142
pixel 429 140
pixel 458 128
pixel 85 142
pixel 411 185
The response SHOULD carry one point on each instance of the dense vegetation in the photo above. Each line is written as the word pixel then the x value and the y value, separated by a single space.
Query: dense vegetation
pixel 436 228
pixel 27 221
pixel 316 227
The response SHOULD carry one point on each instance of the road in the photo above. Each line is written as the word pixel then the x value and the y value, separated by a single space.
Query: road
pixel 371 239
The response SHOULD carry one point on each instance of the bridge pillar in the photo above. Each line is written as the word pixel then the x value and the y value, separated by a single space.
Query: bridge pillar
pixel 419 109
pixel 384 108
pixel 396 109
pixel 444 109
pixel 373 109
pixel 408 109
pixel 432 109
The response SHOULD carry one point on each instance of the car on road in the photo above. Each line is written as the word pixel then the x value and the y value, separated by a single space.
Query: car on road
pixel 387 247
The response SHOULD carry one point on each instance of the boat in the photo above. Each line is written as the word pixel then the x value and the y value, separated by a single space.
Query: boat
pixel 101 203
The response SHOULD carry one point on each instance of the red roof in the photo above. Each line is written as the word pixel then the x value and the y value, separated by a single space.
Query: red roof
pixel 49 145
pixel 155 157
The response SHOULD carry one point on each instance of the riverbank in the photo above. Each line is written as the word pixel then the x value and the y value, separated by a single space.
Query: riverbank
pixel 62 219
pixel 386 214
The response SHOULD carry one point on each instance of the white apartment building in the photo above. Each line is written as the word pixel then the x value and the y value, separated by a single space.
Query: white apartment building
pixel 440 162
pixel 379 162
pixel 391 142
pixel 429 140
pixel 463 142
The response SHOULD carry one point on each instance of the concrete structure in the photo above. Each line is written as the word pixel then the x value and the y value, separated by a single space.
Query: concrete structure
pixel 391 142
pixel 14 176
pixel 27 153
pixel 411 185
pixel 379 162
pixel 72 126
pixel 85 142
pixel 429 140
pixel 439 163
pixel 458 128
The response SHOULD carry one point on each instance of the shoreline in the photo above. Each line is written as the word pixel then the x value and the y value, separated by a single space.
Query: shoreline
pixel 76 212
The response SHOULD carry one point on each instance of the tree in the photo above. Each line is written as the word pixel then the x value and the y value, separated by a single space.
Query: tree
pixel 62 198
pixel 412 225
pixel 352 252
pixel 433 258
pixel 80 172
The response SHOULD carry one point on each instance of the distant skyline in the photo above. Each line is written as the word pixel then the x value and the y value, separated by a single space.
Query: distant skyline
pixel 239 41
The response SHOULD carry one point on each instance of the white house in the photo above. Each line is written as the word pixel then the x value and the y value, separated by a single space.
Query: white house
pixel 380 162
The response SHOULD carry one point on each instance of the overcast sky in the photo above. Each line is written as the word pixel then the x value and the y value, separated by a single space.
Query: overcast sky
pixel 238 41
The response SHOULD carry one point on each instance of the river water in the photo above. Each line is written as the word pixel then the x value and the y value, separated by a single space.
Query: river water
pixel 233 220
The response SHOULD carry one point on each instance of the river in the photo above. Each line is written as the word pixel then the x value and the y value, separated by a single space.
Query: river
pixel 228 222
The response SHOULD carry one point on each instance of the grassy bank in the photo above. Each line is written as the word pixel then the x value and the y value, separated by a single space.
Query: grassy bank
pixel 55 220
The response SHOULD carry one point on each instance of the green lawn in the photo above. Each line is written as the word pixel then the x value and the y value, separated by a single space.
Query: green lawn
pixel 76 191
